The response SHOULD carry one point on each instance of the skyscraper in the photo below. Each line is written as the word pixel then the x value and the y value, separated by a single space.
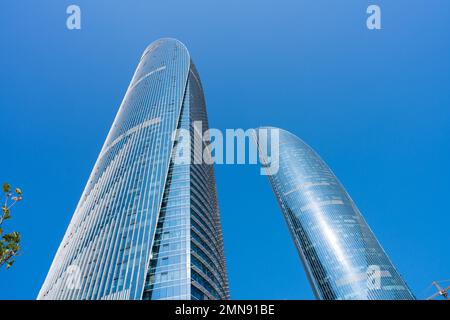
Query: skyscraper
pixel 146 227
pixel 340 254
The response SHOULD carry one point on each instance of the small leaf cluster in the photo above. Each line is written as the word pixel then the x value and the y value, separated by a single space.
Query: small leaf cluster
pixel 9 242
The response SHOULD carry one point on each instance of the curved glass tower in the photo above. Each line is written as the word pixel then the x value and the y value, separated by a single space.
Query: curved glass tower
pixel 340 254
pixel 146 227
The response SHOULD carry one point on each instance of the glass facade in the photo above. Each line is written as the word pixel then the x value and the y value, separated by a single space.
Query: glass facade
pixel 145 227
pixel 340 254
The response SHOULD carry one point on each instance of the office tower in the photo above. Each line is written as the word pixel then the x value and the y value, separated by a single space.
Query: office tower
pixel 340 254
pixel 146 227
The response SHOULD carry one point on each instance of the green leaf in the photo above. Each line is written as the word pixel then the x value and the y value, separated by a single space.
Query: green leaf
pixel 6 187
pixel 18 191
pixel 12 237
pixel 6 214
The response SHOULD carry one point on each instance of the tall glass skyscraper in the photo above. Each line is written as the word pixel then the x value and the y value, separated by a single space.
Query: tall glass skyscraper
pixel 340 254
pixel 146 227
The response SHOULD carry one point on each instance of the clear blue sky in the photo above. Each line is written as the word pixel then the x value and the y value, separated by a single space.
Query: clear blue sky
pixel 375 106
